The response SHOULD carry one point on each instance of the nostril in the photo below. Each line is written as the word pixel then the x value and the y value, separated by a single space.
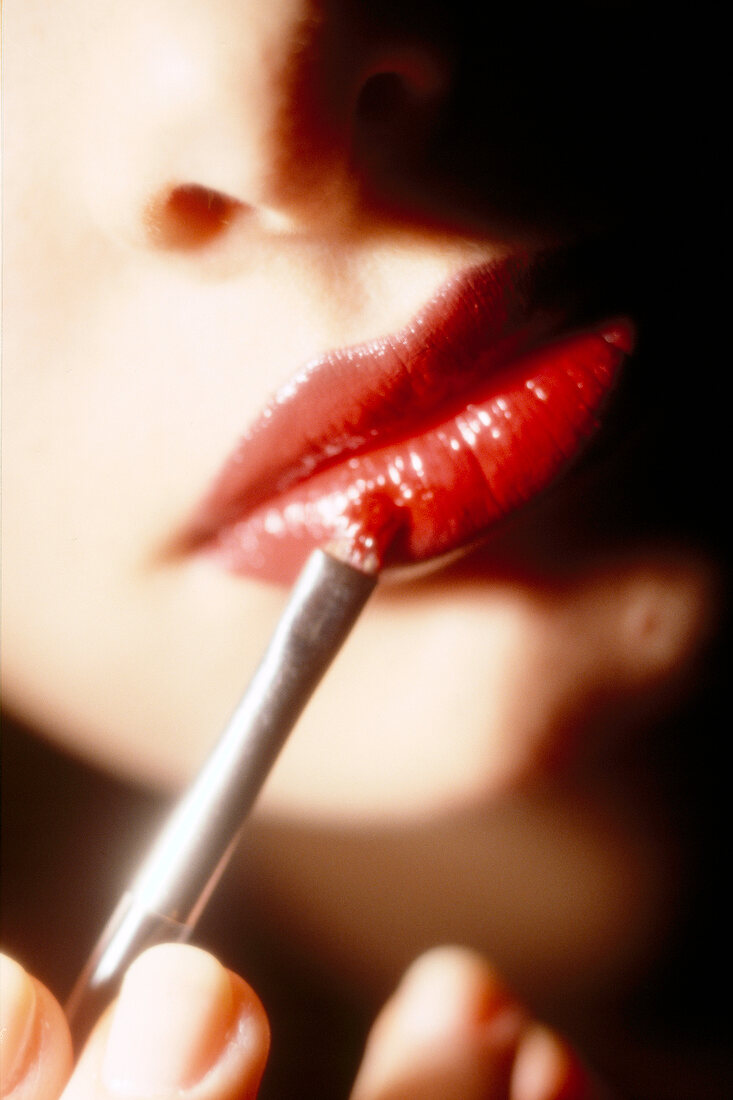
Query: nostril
pixel 397 110
pixel 402 81
pixel 189 217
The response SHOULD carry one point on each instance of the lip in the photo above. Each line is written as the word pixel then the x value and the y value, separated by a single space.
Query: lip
pixel 412 445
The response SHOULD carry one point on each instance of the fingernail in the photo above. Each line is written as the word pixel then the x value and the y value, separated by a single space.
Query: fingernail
pixel 17 1019
pixel 170 1024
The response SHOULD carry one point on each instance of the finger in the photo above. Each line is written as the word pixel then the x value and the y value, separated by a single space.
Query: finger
pixel 183 1027
pixel 35 1044
pixel 546 1068
pixel 450 1032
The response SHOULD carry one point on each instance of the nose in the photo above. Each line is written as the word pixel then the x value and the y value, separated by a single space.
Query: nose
pixel 284 117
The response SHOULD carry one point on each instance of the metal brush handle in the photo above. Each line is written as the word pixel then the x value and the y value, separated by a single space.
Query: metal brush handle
pixel 179 874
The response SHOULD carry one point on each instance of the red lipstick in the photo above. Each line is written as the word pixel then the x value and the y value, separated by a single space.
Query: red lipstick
pixel 412 445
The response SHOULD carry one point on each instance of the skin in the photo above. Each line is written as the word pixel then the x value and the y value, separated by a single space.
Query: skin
pixel 184 1026
pixel 142 334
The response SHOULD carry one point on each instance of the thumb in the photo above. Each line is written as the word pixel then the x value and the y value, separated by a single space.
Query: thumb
pixel 183 1027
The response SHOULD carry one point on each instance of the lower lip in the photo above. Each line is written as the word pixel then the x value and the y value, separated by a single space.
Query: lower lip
pixel 446 482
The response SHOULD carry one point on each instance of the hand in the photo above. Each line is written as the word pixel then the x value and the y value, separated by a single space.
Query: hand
pixel 185 1027
pixel 452 1031
pixel 182 1027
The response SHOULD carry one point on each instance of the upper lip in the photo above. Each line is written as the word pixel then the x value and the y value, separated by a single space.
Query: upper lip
pixel 359 397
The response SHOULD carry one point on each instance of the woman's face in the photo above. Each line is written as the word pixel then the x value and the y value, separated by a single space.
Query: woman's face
pixel 201 198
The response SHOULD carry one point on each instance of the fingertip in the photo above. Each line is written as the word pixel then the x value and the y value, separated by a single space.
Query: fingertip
pixel 17 1013
pixel 35 1044
pixel 253 1029
pixel 546 1068
pixel 183 1025
pixel 172 1019
pixel 449 1033
pixel 450 986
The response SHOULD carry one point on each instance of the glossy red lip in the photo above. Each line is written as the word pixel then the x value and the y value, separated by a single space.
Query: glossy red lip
pixel 412 445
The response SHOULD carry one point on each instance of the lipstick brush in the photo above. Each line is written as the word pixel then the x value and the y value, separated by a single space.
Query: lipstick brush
pixel 183 866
